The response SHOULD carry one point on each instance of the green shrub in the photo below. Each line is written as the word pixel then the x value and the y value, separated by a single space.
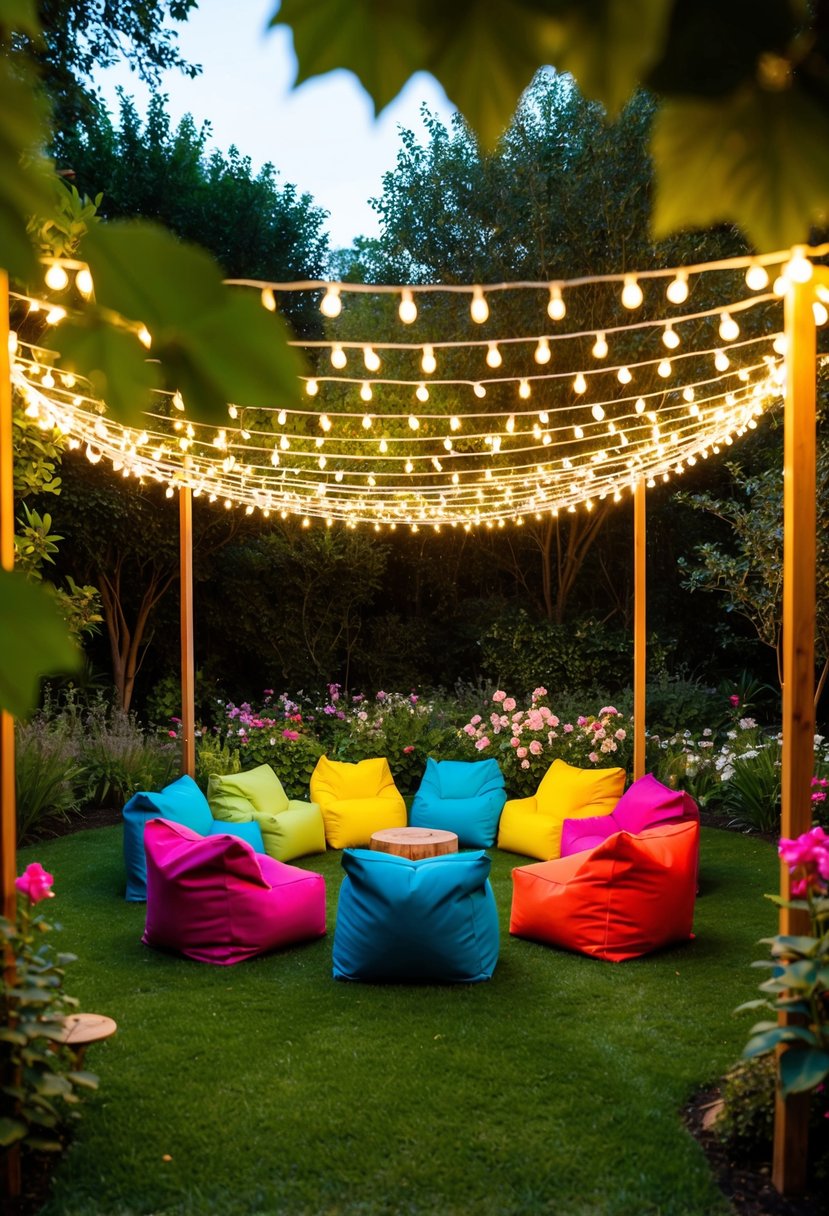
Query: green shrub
pixel 679 703
pixel 214 757
pixel 746 1123
pixel 293 760
pixel 47 777
pixel 119 757
pixel 752 787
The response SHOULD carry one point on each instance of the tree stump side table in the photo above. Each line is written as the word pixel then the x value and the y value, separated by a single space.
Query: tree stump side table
pixel 80 1030
pixel 415 843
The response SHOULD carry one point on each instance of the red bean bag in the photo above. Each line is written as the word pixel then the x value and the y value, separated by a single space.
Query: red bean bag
pixel 626 897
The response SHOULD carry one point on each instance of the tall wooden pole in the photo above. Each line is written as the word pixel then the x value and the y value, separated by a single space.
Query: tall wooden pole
pixel 188 672
pixel 10 1176
pixel 639 639
pixel 791 1122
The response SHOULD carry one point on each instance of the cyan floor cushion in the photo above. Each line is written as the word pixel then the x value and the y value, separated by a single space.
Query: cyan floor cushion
pixel 461 796
pixel 433 920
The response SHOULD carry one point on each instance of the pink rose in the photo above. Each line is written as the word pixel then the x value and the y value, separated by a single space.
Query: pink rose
pixel 172 734
pixel 734 700
pixel 498 696
pixel 607 709
pixel 525 764
pixel 35 883
pixel 475 720
pixel 293 735
pixel 407 751
pixel 514 742
pixel 469 729
pixel 535 748
pixel 568 728
pixel 521 752
pixel 482 743
pixel 593 758
pixel 509 704
pixel 539 692
pixel 581 720
pixel 553 720
pixel 620 734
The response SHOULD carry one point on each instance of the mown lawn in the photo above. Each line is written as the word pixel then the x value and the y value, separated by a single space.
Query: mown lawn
pixel 273 1089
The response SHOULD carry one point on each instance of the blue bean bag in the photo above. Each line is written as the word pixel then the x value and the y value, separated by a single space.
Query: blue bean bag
pixel 461 796
pixel 402 920
pixel 181 802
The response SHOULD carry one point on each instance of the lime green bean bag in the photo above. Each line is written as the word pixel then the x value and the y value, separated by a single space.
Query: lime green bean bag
pixel 289 829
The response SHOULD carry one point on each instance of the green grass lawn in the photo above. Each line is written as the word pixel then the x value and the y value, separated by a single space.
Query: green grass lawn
pixel 555 1088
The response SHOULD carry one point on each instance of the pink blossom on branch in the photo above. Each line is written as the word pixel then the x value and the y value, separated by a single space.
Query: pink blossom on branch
pixel 482 743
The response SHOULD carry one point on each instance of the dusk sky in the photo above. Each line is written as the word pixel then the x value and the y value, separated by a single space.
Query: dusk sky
pixel 323 136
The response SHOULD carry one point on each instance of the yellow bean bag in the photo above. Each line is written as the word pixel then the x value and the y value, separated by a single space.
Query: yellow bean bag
pixel 356 800
pixel 532 826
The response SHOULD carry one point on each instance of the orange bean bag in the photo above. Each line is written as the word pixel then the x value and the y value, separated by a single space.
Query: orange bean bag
pixel 626 897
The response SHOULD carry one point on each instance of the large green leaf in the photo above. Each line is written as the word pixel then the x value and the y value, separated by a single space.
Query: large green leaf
pixel 757 159
pixel 608 45
pixel 381 40
pixel 33 642
pixel 24 184
pixel 114 362
pixel 802 1068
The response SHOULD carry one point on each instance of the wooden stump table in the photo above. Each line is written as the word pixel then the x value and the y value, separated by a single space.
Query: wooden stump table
pixel 80 1030
pixel 415 843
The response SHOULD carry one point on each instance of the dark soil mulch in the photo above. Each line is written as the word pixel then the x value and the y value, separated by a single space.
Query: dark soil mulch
pixel 747 1184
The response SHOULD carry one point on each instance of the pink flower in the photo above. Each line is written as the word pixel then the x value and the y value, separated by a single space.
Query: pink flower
pixel 734 700
pixel 525 764
pixel 521 752
pixel 514 741
pixel 535 748
pixel 581 720
pixel 593 758
pixel 35 883
pixel 414 698
pixel 596 726
pixel 620 734
pixel 810 849
pixel 499 696
pixel 482 743
pixel 818 796
pixel 509 704
pixel 407 751
pixel 568 728
pixel 469 729
pixel 475 720
pixel 495 718
pixel 553 720
pixel 539 692
pixel 381 696
pixel 172 734
pixel 293 735
pixel 362 715
pixel 607 709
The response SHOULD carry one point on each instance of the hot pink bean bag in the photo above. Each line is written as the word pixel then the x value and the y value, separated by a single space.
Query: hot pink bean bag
pixel 645 804
pixel 215 900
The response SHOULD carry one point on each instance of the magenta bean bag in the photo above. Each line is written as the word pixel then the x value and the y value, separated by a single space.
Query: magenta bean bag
pixel 645 804
pixel 215 900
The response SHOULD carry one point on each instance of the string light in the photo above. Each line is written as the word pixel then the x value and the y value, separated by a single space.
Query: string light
pixel 493 355
pixel 721 361
pixel 479 390
pixel 580 384
pixel 597 411
pixel 677 290
pixel 664 369
pixel 407 310
pixel 339 358
pixel 312 388
pixel 365 391
pixel 729 329
pixel 670 337
pixel 83 282
pixel 56 277
pixel 624 375
pixel 631 292
pixel 371 359
pixel 524 389
pixel 757 277
pixel 268 299
pixel 542 351
pixel 600 346
pixel 478 309
pixel 331 304
pixel 556 308
pixel 422 393
pixel 428 361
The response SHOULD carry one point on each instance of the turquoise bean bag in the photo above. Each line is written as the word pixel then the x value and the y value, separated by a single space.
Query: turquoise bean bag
pixel 461 796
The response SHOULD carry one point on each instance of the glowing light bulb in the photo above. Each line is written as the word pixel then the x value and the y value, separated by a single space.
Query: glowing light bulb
pixel 511 423
pixel 324 422
pixel 493 355
pixel 407 311
pixel 414 423
pixel 312 388
pixel 384 447
pixel 821 313
pixel 640 405
pixel 542 351
pixel 178 400
pixel 83 282
pixel 331 305
pixel 55 315
pixel 623 375
pixel 428 362
pixel 422 392
pixel 56 278
pixel 578 432
pixel 365 391
pixel 729 329
pixel 93 454
pixel 798 269
pixel 524 389
pixel 780 345
pixel 677 290
pixel 631 292
pixel 597 412
pixel 371 359
pixel 670 337
pixel 366 422
pixel 268 299
pixel 580 384
pixel 408 466
pixel 13 343
pixel 688 394
pixel 780 285
pixel 757 277
pixel 721 361
pixel 543 417
pixel 338 357
pixel 478 309
pixel 556 308
pixel 664 368
pixel 284 443
pixel 600 347
pixel 281 417
pixel 145 337
pixel 479 390
pixel 455 423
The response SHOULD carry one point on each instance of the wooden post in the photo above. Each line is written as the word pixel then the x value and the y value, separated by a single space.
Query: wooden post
pixel 10 1177
pixel 639 639
pixel 188 673
pixel 791 1121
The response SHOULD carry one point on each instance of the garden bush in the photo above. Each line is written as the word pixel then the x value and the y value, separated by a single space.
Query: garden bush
pixel 47 777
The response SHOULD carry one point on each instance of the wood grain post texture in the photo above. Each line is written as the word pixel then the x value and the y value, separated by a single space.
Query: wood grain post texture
pixel 10 1178
pixel 639 638
pixel 188 671
pixel 791 1121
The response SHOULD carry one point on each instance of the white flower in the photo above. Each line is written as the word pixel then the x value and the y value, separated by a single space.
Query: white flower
pixel 706 742
pixel 707 733
pixel 746 724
